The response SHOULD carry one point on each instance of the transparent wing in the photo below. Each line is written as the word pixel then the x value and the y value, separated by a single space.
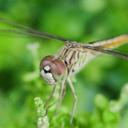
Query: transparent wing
pixel 104 46
pixel 24 30
pixel 112 43
pixel 108 51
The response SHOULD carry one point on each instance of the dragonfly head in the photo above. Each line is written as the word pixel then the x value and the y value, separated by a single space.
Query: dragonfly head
pixel 51 69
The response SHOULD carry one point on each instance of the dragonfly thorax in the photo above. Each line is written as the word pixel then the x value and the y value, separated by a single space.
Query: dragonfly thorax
pixel 51 69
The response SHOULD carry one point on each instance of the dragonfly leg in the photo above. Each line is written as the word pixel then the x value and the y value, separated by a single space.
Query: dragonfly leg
pixel 47 106
pixel 75 99
pixel 62 92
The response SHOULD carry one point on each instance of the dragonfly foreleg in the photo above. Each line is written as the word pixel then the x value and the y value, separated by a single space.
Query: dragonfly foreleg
pixel 62 91
pixel 75 99
pixel 47 105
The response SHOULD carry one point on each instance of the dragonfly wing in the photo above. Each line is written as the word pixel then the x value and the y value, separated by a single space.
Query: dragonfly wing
pixel 100 46
pixel 106 46
pixel 22 29
pixel 112 43
pixel 107 51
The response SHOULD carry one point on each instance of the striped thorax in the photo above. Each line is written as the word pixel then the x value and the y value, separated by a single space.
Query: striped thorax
pixel 75 57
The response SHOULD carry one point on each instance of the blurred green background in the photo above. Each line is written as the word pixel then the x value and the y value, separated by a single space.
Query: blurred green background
pixel 98 85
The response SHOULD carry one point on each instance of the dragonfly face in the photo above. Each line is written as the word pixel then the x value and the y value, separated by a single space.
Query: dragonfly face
pixel 51 69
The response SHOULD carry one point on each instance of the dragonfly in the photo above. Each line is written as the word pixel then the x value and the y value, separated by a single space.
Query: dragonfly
pixel 61 67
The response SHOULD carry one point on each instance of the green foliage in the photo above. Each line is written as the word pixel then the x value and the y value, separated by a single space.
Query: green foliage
pixel 101 87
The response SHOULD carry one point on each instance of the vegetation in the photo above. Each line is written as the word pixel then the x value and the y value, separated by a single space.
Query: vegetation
pixel 102 88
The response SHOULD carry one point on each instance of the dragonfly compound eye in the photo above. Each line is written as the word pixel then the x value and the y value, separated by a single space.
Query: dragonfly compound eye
pixel 51 69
